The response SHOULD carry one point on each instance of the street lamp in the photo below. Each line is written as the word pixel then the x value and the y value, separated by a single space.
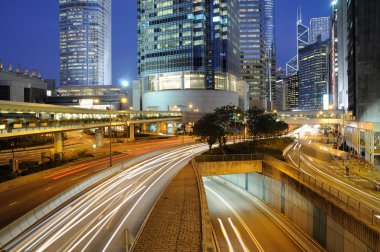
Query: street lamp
pixel 110 133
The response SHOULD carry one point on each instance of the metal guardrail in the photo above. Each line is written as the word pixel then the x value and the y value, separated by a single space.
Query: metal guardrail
pixel 345 201
pixel 225 158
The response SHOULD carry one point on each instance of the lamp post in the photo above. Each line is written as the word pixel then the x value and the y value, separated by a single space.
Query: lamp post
pixel 299 151
pixel 122 100
pixel 110 133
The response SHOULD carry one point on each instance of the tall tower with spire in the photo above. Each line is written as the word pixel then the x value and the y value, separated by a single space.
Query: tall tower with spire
pixel 292 65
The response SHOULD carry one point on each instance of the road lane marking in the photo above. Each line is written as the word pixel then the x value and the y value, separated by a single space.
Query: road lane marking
pixel 79 177
pixel 255 241
pixel 14 203
pixel 230 248
pixel 238 235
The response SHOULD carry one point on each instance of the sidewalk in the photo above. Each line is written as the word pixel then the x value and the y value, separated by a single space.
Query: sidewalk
pixel 175 221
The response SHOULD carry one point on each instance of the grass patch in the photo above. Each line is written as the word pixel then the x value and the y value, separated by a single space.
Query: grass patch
pixel 272 147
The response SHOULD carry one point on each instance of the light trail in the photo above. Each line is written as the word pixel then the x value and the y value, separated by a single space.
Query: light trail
pixel 236 231
pixel 230 248
pixel 86 220
pixel 245 226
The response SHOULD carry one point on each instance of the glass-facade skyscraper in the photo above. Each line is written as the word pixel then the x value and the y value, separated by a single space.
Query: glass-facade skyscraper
pixel 253 50
pixel 270 45
pixel 184 45
pixel 292 65
pixel 85 42
pixel 320 26
pixel 313 75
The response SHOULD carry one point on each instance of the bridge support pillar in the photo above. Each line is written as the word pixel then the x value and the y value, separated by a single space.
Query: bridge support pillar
pixel 158 127
pixel 144 128
pixel 58 144
pixel 132 132
pixel 174 129
pixel 99 137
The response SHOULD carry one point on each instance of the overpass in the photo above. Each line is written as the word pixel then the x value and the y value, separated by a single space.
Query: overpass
pixel 19 119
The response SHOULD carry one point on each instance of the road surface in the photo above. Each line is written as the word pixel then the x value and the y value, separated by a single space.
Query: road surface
pixel 240 225
pixel 314 161
pixel 96 220
pixel 17 201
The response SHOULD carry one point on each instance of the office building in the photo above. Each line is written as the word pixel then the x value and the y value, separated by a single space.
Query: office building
pixel 292 92
pixel 280 100
pixel 339 54
pixel 85 42
pixel 313 75
pixel 270 44
pixel 363 59
pixel 253 51
pixel 21 85
pixel 188 54
pixel 319 27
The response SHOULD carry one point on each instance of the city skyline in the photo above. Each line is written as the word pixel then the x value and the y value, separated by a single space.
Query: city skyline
pixel 38 45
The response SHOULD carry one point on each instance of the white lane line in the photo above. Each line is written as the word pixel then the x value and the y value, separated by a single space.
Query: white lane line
pixel 230 248
pixel 291 159
pixel 255 241
pixel 47 189
pixel 13 203
pixel 238 235
pixel 341 182
pixel 79 177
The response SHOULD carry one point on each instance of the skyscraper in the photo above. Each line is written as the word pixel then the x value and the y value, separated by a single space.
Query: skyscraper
pixel 186 50
pixel 363 59
pixel 270 44
pixel 319 27
pixel 253 50
pixel 339 53
pixel 292 65
pixel 313 75
pixel 85 42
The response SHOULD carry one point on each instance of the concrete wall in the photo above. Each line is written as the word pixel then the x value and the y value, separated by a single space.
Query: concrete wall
pixel 314 221
pixel 220 168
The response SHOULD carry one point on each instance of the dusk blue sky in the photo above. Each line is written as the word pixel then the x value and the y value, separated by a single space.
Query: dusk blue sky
pixel 29 33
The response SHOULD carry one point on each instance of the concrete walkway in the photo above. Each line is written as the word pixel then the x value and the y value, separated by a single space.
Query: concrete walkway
pixel 175 222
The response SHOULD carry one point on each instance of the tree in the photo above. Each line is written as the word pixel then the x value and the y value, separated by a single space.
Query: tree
pixel 229 119
pixel 264 124
pixel 208 129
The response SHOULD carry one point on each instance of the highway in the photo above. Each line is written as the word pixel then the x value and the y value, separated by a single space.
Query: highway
pixel 241 225
pixel 96 220
pixel 315 160
pixel 20 199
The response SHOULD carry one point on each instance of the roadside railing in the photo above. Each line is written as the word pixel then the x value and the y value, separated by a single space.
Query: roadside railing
pixel 342 199
pixel 82 124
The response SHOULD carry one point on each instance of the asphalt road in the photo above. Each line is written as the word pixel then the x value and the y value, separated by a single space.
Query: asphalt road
pixel 96 220
pixel 314 161
pixel 17 201
pixel 241 225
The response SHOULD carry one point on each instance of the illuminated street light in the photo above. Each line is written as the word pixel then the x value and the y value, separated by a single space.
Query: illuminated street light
pixel 124 83
pixel 190 105
pixel 123 100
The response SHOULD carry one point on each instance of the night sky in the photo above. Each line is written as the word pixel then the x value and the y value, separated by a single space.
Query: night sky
pixel 29 33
